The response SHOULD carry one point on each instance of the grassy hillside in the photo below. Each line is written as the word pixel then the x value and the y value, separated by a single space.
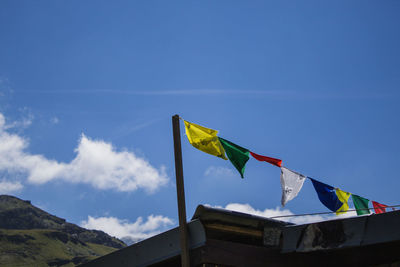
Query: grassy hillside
pixel 30 236
pixel 45 248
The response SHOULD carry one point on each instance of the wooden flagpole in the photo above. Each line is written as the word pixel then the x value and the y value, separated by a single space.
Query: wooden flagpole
pixel 180 191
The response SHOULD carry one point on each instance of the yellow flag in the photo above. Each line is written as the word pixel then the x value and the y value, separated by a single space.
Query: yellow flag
pixel 344 198
pixel 204 139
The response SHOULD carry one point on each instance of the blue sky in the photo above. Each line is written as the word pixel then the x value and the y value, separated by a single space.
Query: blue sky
pixel 88 90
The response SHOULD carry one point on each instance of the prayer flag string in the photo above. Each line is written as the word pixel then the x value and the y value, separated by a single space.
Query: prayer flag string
pixel 335 199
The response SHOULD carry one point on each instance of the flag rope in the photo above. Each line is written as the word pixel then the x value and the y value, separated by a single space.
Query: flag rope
pixel 328 212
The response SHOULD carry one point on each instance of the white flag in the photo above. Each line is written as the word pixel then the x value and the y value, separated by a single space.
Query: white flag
pixel 291 182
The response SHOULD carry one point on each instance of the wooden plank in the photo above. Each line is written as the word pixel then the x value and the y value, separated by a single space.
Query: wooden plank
pixel 225 253
pixel 235 229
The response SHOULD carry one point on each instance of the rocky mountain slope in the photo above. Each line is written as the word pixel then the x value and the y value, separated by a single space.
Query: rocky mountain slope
pixel 30 236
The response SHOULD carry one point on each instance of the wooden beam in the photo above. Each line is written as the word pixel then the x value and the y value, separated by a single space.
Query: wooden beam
pixel 180 191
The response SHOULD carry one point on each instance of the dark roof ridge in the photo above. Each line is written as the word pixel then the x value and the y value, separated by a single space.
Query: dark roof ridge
pixel 207 213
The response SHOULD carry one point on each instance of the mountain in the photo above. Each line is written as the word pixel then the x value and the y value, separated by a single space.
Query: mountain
pixel 30 236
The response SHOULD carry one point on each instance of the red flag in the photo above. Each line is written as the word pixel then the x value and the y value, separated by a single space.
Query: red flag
pixel 276 162
pixel 379 208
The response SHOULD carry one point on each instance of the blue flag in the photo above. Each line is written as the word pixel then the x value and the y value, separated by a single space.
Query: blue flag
pixel 327 195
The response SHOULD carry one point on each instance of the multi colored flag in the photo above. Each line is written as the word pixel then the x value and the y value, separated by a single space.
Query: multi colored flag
pixel 361 204
pixel 327 195
pixel 343 197
pixel 378 207
pixel 204 139
pixel 236 154
pixel 335 199
pixel 291 182
pixel 273 161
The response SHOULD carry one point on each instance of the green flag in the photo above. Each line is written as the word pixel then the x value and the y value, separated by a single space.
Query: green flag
pixel 236 154
pixel 361 204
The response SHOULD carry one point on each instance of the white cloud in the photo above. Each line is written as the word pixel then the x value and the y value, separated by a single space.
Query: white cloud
pixel 130 128
pixel 7 187
pixel 246 208
pixel 23 123
pixel 218 171
pixel 97 163
pixel 187 92
pixel 2 121
pixel 126 230
pixel 54 120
